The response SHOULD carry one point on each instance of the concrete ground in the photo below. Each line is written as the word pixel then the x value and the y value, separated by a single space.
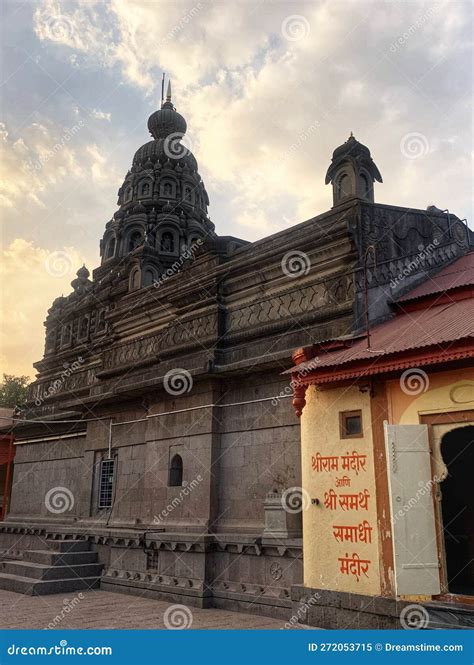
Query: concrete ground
pixel 104 609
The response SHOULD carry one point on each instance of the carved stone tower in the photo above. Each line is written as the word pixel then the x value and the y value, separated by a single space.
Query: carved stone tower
pixel 352 172
pixel 162 206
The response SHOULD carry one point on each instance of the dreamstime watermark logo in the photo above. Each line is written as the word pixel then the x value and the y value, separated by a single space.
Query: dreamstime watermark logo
pixel 295 27
pixel 295 500
pixel 414 27
pixel 44 158
pixel 414 381
pixel 300 141
pixel 184 20
pixel 178 381
pixel 295 263
pixel 59 500
pixel 295 382
pixel 177 500
pixel 414 617
pixel 414 145
pixel 177 146
pixel 61 649
pixel 302 611
pixel 68 606
pixel 187 253
pixel 58 28
pixel 56 385
pixel 58 264
pixel 178 617
pixel 286 392
pixel 416 263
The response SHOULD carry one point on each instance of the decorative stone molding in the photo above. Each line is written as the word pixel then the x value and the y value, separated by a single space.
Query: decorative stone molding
pixel 153 578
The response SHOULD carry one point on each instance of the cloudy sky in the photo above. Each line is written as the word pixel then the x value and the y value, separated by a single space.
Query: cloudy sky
pixel 268 89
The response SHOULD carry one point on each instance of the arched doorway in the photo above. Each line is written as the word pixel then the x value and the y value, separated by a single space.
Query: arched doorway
pixel 457 504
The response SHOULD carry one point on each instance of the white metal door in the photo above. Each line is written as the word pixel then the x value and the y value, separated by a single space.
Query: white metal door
pixel 411 490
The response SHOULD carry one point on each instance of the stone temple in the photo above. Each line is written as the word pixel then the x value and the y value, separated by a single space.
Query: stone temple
pixel 159 432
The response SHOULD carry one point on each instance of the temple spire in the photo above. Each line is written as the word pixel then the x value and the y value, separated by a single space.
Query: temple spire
pixel 168 92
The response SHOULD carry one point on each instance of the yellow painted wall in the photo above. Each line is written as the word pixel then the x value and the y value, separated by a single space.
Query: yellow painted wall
pixel 320 433
pixel 436 393
pixel 433 393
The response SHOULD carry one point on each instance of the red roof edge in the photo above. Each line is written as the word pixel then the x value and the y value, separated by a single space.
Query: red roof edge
pixel 457 293
pixel 306 353
pixel 461 350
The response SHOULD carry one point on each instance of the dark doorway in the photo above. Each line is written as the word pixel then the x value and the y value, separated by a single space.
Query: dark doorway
pixel 457 449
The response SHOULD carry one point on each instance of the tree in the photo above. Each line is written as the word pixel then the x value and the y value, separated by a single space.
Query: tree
pixel 13 390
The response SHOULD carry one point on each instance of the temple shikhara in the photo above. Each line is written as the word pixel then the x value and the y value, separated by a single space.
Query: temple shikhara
pixel 171 447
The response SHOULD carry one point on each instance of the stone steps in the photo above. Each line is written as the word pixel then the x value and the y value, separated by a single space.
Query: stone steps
pixel 450 616
pixel 66 565
pixel 41 571
pixel 59 558
pixel 32 587
pixel 68 545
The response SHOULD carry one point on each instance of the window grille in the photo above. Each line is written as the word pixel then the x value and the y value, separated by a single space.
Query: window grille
pixel 106 483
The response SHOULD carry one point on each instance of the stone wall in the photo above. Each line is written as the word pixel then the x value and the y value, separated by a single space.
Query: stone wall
pixel 41 470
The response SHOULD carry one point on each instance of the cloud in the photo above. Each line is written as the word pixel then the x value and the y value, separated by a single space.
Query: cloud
pixel 254 77
pixel 267 98
pixel 101 115
pixel 54 180
pixel 37 161
pixel 97 164
pixel 32 277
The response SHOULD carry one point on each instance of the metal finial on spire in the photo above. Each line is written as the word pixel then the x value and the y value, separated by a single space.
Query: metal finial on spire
pixel 168 92
pixel 352 135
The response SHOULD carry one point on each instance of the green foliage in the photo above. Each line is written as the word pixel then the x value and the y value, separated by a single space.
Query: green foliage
pixel 13 390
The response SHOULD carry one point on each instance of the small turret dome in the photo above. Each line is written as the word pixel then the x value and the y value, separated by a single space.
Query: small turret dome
pixel 83 273
pixel 352 148
pixel 167 121
pixel 352 172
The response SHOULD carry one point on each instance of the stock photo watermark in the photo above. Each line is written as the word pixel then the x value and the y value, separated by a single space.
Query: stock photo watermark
pixel 177 500
pixel 414 381
pixel 59 500
pixel 178 617
pixel 414 265
pixel 56 386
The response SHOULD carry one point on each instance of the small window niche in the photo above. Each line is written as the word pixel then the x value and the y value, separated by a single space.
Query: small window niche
pixel 350 424
pixel 128 195
pixel 84 327
pixel 135 239
pixel 66 335
pixel 167 242
pixel 110 249
pixel 176 471
pixel 152 560
pixel 135 279
pixel 144 189
pixel 188 194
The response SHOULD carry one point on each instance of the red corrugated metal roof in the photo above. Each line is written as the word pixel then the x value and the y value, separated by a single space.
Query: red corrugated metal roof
pixel 438 325
pixel 460 273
